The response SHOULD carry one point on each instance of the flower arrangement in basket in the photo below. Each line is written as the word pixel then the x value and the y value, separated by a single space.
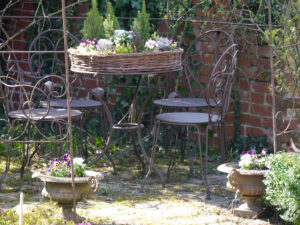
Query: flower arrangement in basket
pixel 108 49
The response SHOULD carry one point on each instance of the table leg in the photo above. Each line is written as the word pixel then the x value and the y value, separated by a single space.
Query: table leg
pixel 108 140
pixel 139 132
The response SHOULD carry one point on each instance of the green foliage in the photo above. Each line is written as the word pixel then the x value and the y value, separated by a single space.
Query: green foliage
pixel 111 22
pixel 285 41
pixel 141 26
pixel 283 185
pixel 44 215
pixel 124 49
pixel 93 24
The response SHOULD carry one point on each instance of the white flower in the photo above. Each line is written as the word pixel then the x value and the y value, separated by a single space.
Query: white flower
pixel 82 47
pixel 246 160
pixel 151 44
pixel 104 44
pixel 164 44
pixel 78 161
pixel 119 32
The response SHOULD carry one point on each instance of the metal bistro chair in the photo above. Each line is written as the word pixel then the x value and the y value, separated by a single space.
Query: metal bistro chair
pixel 21 103
pixel 203 53
pixel 217 97
pixel 41 64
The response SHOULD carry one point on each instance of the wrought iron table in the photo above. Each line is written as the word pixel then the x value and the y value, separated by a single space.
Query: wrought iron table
pixel 135 124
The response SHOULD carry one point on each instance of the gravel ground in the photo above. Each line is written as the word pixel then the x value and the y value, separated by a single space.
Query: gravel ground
pixel 119 201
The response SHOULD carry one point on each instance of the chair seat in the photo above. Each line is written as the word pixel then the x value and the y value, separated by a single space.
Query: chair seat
pixel 181 102
pixel 185 118
pixel 75 103
pixel 39 114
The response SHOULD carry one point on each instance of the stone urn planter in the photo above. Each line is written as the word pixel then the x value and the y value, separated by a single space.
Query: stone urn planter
pixel 248 184
pixel 59 189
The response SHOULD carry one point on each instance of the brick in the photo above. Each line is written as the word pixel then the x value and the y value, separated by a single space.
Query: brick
pixel 261 110
pixel 229 130
pixel 244 85
pixel 269 99
pixel 267 123
pixel 265 63
pixel 19 45
pixel 22 24
pixel 261 87
pixel 257 98
pixel 256 131
pixel 250 120
pixel 293 125
pixel 243 60
pixel 244 107
pixel 90 83
pixel 250 72
pixel 264 51
pixel 207 59
pixel 229 118
pixel 244 96
pixel 83 9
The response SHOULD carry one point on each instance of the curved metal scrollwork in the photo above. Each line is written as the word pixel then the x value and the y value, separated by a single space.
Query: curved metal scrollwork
pixel 202 56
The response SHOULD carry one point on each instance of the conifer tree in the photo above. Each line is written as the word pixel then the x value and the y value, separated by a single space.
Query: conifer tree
pixel 141 26
pixel 111 22
pixel 93 24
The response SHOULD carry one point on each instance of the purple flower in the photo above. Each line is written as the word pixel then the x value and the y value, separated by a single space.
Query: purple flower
pixel 178 44
pixel 249 152
pixel 236 151
pixel 253 149
pixel 54 161
pixel 66 163
pixel 67 157
pixel 244 152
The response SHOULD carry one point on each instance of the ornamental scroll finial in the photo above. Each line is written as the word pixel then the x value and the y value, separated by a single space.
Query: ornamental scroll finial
pixel 94 184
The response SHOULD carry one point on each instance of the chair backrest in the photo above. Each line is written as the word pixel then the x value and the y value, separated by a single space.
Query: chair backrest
pixel 17 91
pixel 11 98
pixel 202 57
pixel 42 64
pixel 219 86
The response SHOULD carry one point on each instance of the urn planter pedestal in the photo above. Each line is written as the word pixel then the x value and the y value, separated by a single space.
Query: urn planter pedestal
pixel 248 184
pixel 59 189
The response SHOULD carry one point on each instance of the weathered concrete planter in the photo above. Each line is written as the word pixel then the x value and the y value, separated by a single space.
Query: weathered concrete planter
pixel 59 189
pixel 248 184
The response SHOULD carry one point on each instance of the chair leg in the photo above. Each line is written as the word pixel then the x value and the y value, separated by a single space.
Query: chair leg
pixel 137 152
pixel 222 139
pixel 192 151
pixel 204 170
pixel 156 132
pixel 172 154
pixel 110 159
pixel 84 150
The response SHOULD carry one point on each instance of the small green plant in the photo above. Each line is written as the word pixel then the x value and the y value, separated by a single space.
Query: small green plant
pixel 93 25
pixel 141 27
pixel 283 185
pixel 111 22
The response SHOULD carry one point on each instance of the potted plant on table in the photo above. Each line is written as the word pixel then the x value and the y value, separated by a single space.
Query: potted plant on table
pixel 58 182
pixel 245 178
pixel 111 50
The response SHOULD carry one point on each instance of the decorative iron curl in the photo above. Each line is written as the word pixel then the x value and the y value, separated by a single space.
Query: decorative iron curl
pixel 94 184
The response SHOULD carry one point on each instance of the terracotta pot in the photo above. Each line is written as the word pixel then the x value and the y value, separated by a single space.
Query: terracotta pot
pixel 248 184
